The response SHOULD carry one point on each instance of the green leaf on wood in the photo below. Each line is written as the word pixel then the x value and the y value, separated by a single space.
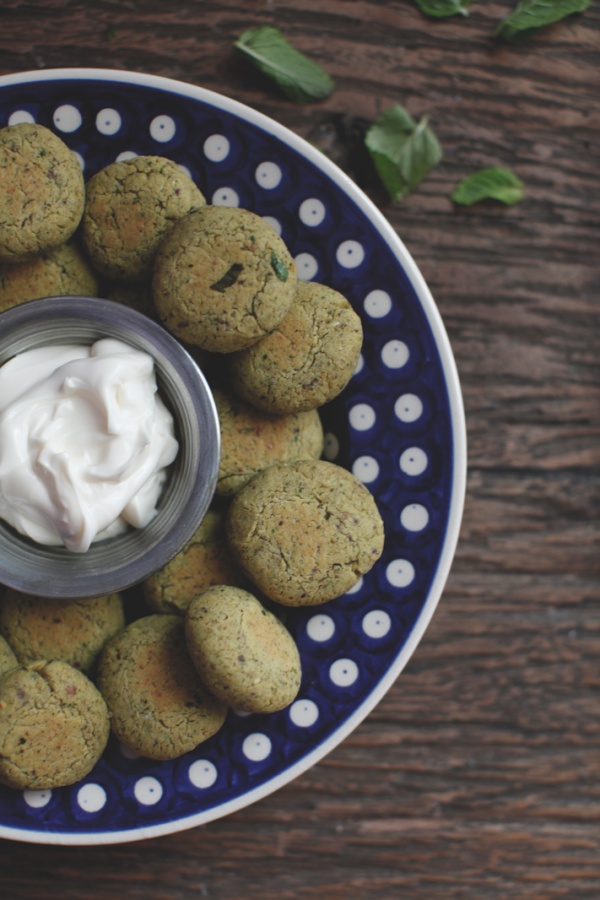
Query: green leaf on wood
pixel 301 79
pixel 495 183
pixel 531 14
pixel 442 8
pixel 402 150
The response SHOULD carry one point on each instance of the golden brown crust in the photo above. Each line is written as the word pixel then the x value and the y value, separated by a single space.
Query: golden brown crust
pixel 62 271
pixel 307 360
pixel 243 653
pixel 53 726
pixel 73 631
pixel 305 532
pixel 159 708
pixel 252 440
pixel 206 560
pixel 222 279
pixel 130 207
pixel 42 190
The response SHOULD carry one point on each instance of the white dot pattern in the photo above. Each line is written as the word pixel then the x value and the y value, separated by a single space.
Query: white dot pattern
pixel 350 254
pixel 108 121
pixel 400 573
pixel 414 517
pixel 148 790
pixel 312 212
pixel 395 354
pixel 304 713
pixel 332 446
pixel 257 747
pixel 216 148
pixel 125 155
pixel 274 223
pixel 367 430
pixel 408 408
pixel 67 118
pixel 357 586
pixel 362 417
pixel 225 196
pixel 203 773
pixel 343 672
pixel 268 175
pixel 20 117
pixel 37 799
pixel 307 266
pixel 320 628
pixel 162 129
pixel 377 624
pixel 91 798
pixel 413 461
pixel 366 469
pixel 377 304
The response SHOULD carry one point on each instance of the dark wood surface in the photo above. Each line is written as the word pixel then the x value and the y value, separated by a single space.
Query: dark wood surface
pixel 478 775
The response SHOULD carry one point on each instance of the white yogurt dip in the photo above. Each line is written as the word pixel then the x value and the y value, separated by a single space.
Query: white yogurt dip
pixel 85 440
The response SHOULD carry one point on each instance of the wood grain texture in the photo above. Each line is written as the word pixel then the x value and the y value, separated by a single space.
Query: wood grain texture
pixel 478 775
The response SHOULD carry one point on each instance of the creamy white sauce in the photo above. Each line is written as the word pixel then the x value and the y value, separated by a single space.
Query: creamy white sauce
pixel 84 442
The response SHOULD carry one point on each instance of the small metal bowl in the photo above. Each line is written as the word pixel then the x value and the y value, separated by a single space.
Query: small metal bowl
pixel 119 562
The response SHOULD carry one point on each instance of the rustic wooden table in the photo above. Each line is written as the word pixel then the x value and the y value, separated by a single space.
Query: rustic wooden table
pixel 478 775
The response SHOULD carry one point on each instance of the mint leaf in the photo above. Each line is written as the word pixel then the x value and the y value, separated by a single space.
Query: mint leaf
pixel 229 278
pixel 442 8
pixel 279 267
pixel 402 150
pixel 495 183
pixel 530 14
pixel 300 79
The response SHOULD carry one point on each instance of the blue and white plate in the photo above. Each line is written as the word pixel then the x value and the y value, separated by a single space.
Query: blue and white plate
pixel 399 426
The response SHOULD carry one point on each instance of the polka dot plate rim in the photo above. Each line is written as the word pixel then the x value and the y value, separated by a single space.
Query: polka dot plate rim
pixel 399 426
